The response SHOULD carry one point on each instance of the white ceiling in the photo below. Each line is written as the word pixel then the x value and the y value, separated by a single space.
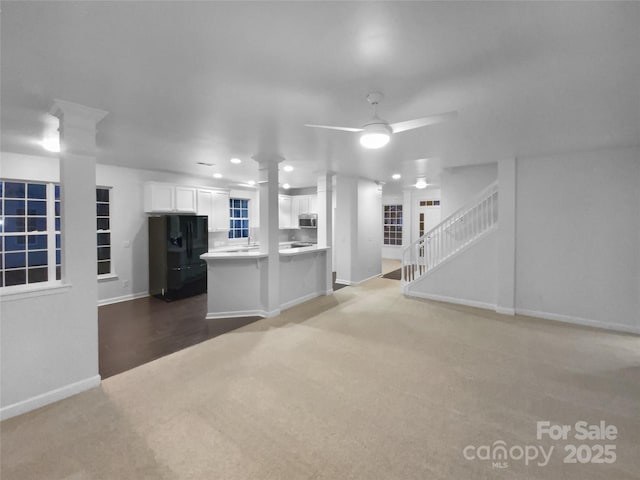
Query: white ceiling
pixel 206 81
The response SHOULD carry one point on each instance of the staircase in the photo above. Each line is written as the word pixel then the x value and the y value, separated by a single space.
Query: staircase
pixel 455 233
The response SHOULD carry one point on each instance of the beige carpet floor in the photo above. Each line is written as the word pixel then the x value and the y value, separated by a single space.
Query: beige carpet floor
pixel 364 384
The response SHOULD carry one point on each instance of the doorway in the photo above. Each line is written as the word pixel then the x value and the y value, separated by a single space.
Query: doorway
pixel 428 216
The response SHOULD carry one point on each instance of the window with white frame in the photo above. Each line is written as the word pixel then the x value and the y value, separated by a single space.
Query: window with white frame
pixel 392 219
pixel 103 226
pixel 238 218
pixel 29 233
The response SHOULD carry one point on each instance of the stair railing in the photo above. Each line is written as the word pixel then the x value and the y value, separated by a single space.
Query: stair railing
pixel 476 217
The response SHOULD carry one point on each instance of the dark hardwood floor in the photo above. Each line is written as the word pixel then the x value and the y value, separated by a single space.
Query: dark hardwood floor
pixel 139 331
pixel 337 286
pixel 394 275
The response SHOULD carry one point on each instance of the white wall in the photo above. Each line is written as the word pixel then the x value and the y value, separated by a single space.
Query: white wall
pixel 369 238
pixel 578 237
pixel 459 184
pixel 49 336
pixel 302 277
pixel 128 220
pixel 470 278
pixel 344 233
pixel 358 229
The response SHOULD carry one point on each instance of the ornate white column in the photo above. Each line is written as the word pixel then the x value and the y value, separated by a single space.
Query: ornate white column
pixel 269 230
pixel 78 225
pixel 325 225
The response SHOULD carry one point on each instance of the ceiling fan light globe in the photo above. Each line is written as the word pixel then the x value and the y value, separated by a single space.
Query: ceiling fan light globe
pixel 374 140
pixel 375 135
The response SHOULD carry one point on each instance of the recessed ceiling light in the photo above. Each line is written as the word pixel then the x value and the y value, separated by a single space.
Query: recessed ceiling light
pixel 396 176
pixel 286 186
pixel 421 183
pixel 251 182
pixel 288 168
pixel 235 160
pixel 217 175
pixel 51 144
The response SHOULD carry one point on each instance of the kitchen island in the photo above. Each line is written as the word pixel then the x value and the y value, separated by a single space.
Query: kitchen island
pixel 237 279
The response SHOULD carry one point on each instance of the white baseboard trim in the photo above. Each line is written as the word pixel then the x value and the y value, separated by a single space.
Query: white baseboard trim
pixel 243 313
pixel 328 292
pixel 299 300
pixel 458 301
pixel 506 311
pixel 51 396
pixel 377 275
pixel 353 284
pixel 617 327
pixel 123 298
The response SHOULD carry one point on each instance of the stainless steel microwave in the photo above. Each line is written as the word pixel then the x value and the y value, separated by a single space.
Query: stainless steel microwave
pixel 308 220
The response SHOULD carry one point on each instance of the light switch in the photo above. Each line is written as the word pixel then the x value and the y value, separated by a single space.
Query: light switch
pixel 126 244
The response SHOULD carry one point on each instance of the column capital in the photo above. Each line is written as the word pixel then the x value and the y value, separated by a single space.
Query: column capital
pixel 76 113
pixel 77 126
pixel 268 158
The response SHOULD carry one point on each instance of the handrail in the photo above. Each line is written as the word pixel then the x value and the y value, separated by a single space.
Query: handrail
pixel 470 203
pixel 474 218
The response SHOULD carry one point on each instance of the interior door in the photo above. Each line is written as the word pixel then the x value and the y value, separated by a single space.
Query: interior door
pixel 428 216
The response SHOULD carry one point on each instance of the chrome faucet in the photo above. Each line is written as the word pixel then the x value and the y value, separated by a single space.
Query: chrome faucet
pixel 249 240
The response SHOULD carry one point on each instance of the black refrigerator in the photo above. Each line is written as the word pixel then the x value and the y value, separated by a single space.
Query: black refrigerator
pixel 175 245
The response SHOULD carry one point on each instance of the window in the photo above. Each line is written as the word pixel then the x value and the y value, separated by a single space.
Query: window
pixel 29 233
pixel 392 225
pixel 238 218
pixel 430 203
pixel 103 227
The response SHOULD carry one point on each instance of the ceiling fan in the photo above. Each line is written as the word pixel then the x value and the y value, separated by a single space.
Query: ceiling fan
pixel 377 132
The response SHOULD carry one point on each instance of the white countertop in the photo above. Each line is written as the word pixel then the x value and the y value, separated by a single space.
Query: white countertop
pixel 299 250
pixel 241 252
pixel 219 255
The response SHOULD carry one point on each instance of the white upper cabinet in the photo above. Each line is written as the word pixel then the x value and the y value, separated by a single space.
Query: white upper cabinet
pixel 300 206
pixel 284 211
pixel 304 204
pixel 166 198
pixel 220 211
pixel 313 204
pixel 215 205
pixel 185 200
pixel 205 207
